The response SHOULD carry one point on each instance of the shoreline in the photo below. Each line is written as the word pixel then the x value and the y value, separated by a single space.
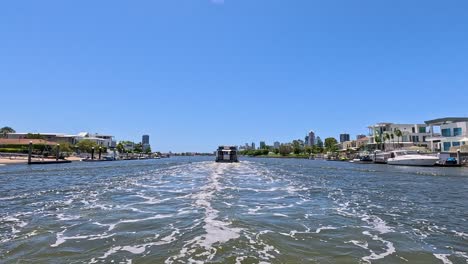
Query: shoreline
pixel 24 161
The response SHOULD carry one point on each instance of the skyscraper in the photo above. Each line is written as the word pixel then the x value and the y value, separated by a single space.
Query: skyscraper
pixel 276 145
pixel 311 141
pixel 319 142
pixel 262 145
pixel 360 136
pixel 145 143
pixel 253 145
pixel 344 137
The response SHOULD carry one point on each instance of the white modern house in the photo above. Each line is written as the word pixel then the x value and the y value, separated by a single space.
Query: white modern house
pixel 100 139
pixel 412 134
pixel 453 133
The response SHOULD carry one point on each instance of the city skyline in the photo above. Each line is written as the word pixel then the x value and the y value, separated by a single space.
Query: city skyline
pixel 198 74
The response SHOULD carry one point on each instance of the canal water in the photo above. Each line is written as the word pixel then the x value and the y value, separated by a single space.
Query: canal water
pixel 193 210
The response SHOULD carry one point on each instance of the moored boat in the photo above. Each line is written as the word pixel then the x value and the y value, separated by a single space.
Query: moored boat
pixel 405 158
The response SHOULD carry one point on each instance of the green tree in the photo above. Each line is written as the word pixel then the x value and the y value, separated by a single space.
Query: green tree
pixel 138 148
pixel 399 134
pixel 297 147
pixel 308 150
pixel 148 150
pixel 276 151
pixel 87 145
pixel 331 145
pixel 393 140
pixel 65 149
pixel 386 138
pixel 120 147
pixel 378 140
pixel 285 150
pixel 5 130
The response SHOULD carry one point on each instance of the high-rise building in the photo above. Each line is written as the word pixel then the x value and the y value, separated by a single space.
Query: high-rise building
pixel 145 143
pixel 262 145
pixel 276 145
pixel 253 145
pixel 306 140
pixel 360 136
pixel 319 142
pixel 311 139
pixel 344 137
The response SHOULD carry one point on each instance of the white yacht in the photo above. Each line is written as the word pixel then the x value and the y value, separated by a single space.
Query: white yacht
pixel 403 157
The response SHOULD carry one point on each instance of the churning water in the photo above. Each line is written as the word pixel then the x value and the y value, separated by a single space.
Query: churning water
pixel 193 210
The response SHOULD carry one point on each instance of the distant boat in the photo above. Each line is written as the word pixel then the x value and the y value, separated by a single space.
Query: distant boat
pixel 402 157
pixel 226 154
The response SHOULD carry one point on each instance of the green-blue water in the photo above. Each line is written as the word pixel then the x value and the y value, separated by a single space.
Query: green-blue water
pixel 193 210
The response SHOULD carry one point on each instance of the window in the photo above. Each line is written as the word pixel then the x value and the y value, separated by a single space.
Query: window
pixel 447 146
pixel 422 129
pixel 413 130
pixel 457 131
pixel 446 132
pixel 455 144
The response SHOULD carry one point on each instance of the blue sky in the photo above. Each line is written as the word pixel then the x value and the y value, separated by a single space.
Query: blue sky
pixel 198 73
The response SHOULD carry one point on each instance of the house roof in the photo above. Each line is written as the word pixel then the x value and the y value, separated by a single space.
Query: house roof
pixel 5 141
pixel 446 120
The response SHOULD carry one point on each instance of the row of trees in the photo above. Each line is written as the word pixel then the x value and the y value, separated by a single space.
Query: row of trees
pixel 380 139
pixel 137 148
pixel 296 147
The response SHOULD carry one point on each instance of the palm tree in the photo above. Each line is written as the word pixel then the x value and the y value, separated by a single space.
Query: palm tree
pixel 393 140
pixel 399 134
pixel 378 140
pixel 5 130
pixel 386 138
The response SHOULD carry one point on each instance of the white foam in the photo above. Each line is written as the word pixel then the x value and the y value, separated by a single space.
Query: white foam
pixel 360 244
pixel 320 229
pixel 240 259
pixel 460 234
pixel 61 238
pixel 63 217
pixel 377 223
pixel 216 231
pixel 280 215
pixel 443 258
pixel 374 256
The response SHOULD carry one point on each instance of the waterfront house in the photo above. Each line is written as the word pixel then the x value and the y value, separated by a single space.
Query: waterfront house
pixel 412 135
pixel 100 139
pixel 453 133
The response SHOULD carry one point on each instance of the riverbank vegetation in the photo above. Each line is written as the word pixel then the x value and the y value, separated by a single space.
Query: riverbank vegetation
pixel 295 149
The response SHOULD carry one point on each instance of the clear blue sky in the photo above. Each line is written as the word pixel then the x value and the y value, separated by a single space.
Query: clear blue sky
pixel 197 73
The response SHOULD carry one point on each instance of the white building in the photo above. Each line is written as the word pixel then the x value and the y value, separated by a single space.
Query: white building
pixel 412 134
pixel 453 133
pixel 100 139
